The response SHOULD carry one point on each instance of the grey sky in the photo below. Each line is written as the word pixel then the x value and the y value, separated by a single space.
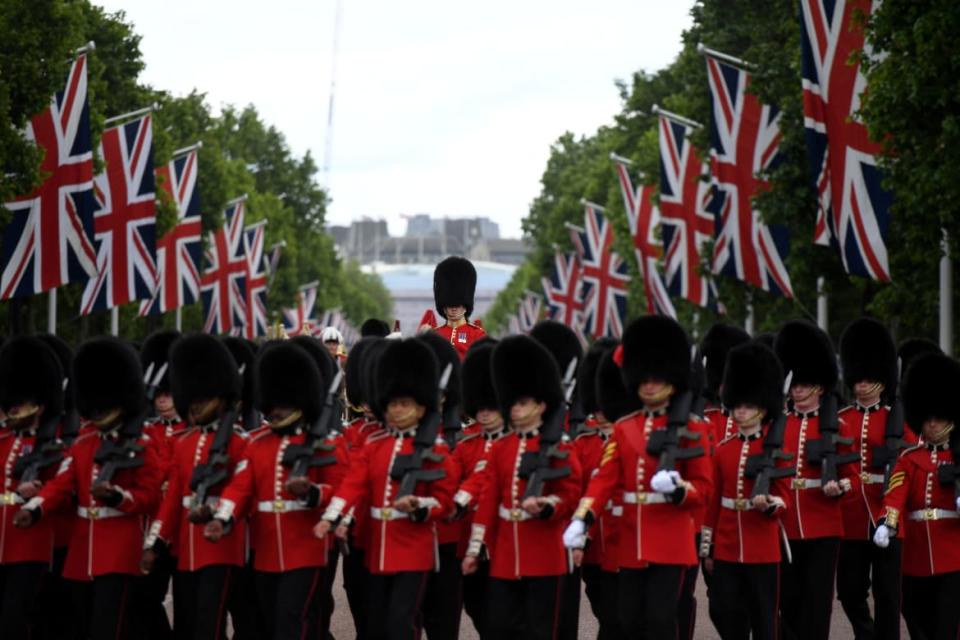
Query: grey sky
pixel 442 107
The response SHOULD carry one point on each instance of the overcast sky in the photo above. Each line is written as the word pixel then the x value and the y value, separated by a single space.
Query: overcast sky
pixel 441 107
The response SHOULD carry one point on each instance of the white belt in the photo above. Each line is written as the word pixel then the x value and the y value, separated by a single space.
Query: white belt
pixel 616 511
pixel 387 513
pixel 514 515
pixel 211 502
pixel 806 483
pixel 933 514
pixel 97 513
pixel 738 504
pixel 871 478
pixel 639 497
pixel 11 497
pixel 281 506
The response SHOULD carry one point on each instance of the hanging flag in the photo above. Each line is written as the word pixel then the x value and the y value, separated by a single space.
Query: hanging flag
pixel 298 319
pixel 222 288
pixel 854 208
pixel 513 326
pixel 562 291
pixel 528 313
pixel 604 274
pixel 255 301
pixel 49 239
pixel 125 220
pixel 684 217
pixel 745 142
pixel 178 251
pixel 644 218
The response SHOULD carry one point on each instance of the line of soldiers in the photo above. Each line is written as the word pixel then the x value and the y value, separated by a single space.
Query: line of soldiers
pixel 246 488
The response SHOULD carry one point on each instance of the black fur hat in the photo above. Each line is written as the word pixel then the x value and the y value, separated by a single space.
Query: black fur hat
pixel 446 354
pixel 716 344
pixel 613 399
pixel 766 338
pixel 325 362
pixel 587 373
pixel 407 368
pixel 287 376
pixel 356 393
pixel 806 350
pixel 107 375
pixel 911 349
pixel 560 340
pixel 202 367
pixel 156 351
pixel 522 367
pixel 867 352
pixel 753 375
pixel 454 283
pixel 374 327
pixel 477 380
pixel 371 365
pixel 30 372
pixel 245 356
pixel 655 347
pixel 929 390
pixel 65 355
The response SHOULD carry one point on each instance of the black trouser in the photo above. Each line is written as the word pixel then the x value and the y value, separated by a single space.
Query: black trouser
pixel 475 596
pixel 593 587
pixel 356 580
pixel 56 592
pixel 863 564
pixel 290 602
pixel 931 606
pixel 105 606
pixel 200 600
pixel 601 589
pixel 20 585
pixel 528 606
pixel 570 606
pixel 806 587
pixel 147 611
pixel 245 614
pixel 395 601
pixel 648 598
pixel 744 600
pixel 328 576
pixel 687 605
pixel 443 600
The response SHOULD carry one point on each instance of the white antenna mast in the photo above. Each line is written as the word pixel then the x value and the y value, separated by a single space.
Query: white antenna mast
pixel 328 149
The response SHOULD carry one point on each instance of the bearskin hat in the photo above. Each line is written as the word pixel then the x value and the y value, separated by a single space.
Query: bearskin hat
pixel 911 349
pixel 287 376
pixel 326 365
pixel 929 388
pixel 587 373
pixel 30 372
pixel 407 368
pixel 613 399
pixel 371 364
pixel 245 356
pixel 65 355
pixel 374 327
pixel 446 354
pixel 356 394
pixel 202 367
pixel 561 342
pixel 107 375
pixel 454 283
pixel 753 375
pixel 522 367
pixel 806 350
pixel 867 352
pixel 655 348
pixel 476 379
pixel 766 338
pixel 716 344
pixel 156 351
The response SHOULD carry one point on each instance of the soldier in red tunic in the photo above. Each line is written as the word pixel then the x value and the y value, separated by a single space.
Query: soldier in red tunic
pixel 454 283
pixel 741 533
pixel 922 500
pixel 716 344
pixel 657 527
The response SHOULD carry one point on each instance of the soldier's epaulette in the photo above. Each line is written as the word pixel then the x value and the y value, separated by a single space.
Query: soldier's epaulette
pixel 730 437
pixel 467 437
pixel 85 436
pixel 6 433
pixel 911 449
pixel 259 436
pixel 847 408
pixel 587 433
pixel 474 325
pixel 630 415
pixel 377 436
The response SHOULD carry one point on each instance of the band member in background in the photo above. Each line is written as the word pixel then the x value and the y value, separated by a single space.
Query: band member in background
pixel 333 341
pixel 454 283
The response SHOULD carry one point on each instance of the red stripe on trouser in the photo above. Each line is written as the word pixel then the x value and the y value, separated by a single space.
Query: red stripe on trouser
pixel 417 629
pixel 123 608
pixel 306 606
pixel 223 603
pixel 556 606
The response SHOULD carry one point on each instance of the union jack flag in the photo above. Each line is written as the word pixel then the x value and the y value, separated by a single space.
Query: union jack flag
pixel 854 209
pixel 255 279
pixel 529 312
pixel 126 219
pixel 49 239
pixel 643 217
pixel 686 223
pixel 178 251
pixel 513 325
pixel 272 261
pixel 563 292
pixel 223 286
pixel 745 142
pixel 300 319
pixel 604 274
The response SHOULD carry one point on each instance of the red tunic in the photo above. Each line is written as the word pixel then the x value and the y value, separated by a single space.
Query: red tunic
pixel 589 449
pixel 21 545
pixel 461 337
pixel 652 528
pixel 721 423
pixel 356 436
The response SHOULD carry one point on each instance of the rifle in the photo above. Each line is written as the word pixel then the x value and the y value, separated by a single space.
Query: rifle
pixel 950 473
pixel 300 457
pixel 451 423
pixel 48 450
pixel 824 450
pixel 665 443
pixel 535 465
pixel 885 455
pixel 408 468
pixel 763 466
pixel 216 469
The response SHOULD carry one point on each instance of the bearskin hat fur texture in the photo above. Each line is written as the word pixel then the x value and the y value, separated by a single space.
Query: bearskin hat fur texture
pixel 477 381
pixel 522 367
pixel 867 352
pixel 245 356
pixel 655 348
pixel 446 354
pixel 613 399
pixel 287 376
pixel 806 350
pixel 30 372
pixel 454 283
pixel 929 390
pixel 325 362
pixel 911 349
pixel 356 393
pixel 371 364
pixel 716 344
pixel 407 368
pixel 587 373
pixel 560 341
pixel 374 327
pixel 107 375
pixel 202 367
pixel 64 354
pixel 156 351
pixel 753 375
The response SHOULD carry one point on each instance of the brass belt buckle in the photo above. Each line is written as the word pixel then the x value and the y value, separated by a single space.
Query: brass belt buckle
pixel 865 477
pixel 10 498
pixel 929 514
pixel 799 483
pixel 93 512
pixel 741 504
pixel 279 505
pixel 516 515
pixel 641 497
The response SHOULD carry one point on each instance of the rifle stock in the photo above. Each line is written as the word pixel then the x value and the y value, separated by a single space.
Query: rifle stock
pixel 408 468
pixel 665 443
pixel 763 467
pixel 299 458
pixel 216 467
pixel 824 450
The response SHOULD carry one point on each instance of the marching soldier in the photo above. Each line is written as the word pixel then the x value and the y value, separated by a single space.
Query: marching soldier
pixel 402 542
pixel 869 363
pixel 114 473
pixel 922 501
pixel 741 534
pixel 374 327
pixel 716 344
pixel 454 283
pixel 657 528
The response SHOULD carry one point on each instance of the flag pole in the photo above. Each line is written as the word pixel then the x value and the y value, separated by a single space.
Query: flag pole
pixel 133 114
pixel 115 321
pixel 748 321
pixel 669 115
pixel 192 147
pixel 179 318
pixel 724 57
pixel 52 312
pixel 946 297
pixel 823 318
pixel 592 205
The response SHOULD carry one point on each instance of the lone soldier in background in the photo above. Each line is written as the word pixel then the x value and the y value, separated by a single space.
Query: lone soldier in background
pixel 454 283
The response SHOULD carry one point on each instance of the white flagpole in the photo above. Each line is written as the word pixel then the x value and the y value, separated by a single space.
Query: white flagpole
pixel 946 297
pixel 822 315
pixel 115 321
pixel 179 318
pixel 748 321
pixel 52 312
pixel 133 114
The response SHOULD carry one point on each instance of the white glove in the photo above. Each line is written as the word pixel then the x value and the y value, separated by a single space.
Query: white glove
pixel 958 504
pixel 882 536
pixel 664 481
pixel 575 535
